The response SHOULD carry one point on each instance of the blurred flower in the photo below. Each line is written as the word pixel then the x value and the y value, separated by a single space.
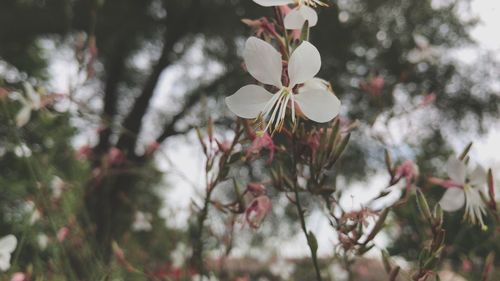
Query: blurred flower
pixel 264 63
pixel 43 241
pixel 116 156
pixel 374 85
pixel 30 208
pixel 428 100
pixel 142 221
pixel 257 211
pixel 31 102
pixel 3 93
pixel 19 276
pixel 463 190
pixel 152 147
pixel 83 152
pixel 7 246
pixel 260 142
pixel 35 216
pixel 62 234
pixel 57 186
pixel 409 171
pixel 424 51
pixel 299 15
pixel 467 265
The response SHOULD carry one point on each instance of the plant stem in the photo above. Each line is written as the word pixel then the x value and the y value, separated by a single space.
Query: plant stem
pixel 312 248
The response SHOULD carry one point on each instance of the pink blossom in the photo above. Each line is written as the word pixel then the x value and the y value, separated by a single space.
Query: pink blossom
pixel 19 276
pixel 467 265
pixel 116 156
pixel 3 93
pixel 374 85
pixel 257 211
pixel 445 183
pixel 152 147
pixel 62 234
pixel 428 100
pixel 83 152
pixel 409 171
pixel 259 143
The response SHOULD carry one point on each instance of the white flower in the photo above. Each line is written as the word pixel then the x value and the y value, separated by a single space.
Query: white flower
pixel 264 63
pixel 7 246
pixel 298 16
pixel 465 191
pixel 424 51
pixel 142 222
pixel 31 102
pixel 57 186
pixel 43 241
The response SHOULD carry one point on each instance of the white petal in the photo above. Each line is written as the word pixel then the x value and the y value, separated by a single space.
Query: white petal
pixel 270 3
pixel 297 17
pixel 317 105
pixel 8 244
pixel 453 199
pixel 263 62
pixel 314 84
pixel 421 41
pixel 4 262
pixel 294 20
pixel 23 116
pixel 478 177
pixel 456 169
pixel 248 101
pixel 33 96
pixel 304 63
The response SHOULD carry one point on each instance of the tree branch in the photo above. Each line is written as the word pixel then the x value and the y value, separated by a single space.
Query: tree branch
pixel 176 30
pixel 114 69
pixel 192 99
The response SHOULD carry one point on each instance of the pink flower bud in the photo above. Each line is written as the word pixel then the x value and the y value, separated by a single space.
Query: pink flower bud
pixel 466 265
pixel 256 189
pixel 223 146
pixel 257 211
pixel 116 156
pixel 62 234
pixel 259 26
pixel 19 276
pixel 152 147
pixel 374 85
pixel 83 152
pixel 428 100
pixel 409 171
pixel 259 143
pixel 445 183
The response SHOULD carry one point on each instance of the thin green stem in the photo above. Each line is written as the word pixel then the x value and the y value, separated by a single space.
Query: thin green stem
pixel 312 248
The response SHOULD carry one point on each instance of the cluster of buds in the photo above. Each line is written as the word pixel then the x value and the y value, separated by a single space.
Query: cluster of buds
pixel 353 226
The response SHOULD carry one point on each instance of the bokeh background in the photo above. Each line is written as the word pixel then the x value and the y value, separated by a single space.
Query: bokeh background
pixel 420 77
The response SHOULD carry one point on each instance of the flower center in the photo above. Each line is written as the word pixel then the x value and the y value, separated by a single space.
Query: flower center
pixel 274 111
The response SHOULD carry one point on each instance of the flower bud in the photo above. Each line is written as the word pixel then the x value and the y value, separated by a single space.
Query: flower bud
pixel 257 211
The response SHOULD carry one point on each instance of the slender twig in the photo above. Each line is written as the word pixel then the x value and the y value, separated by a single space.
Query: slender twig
pixel 301 215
